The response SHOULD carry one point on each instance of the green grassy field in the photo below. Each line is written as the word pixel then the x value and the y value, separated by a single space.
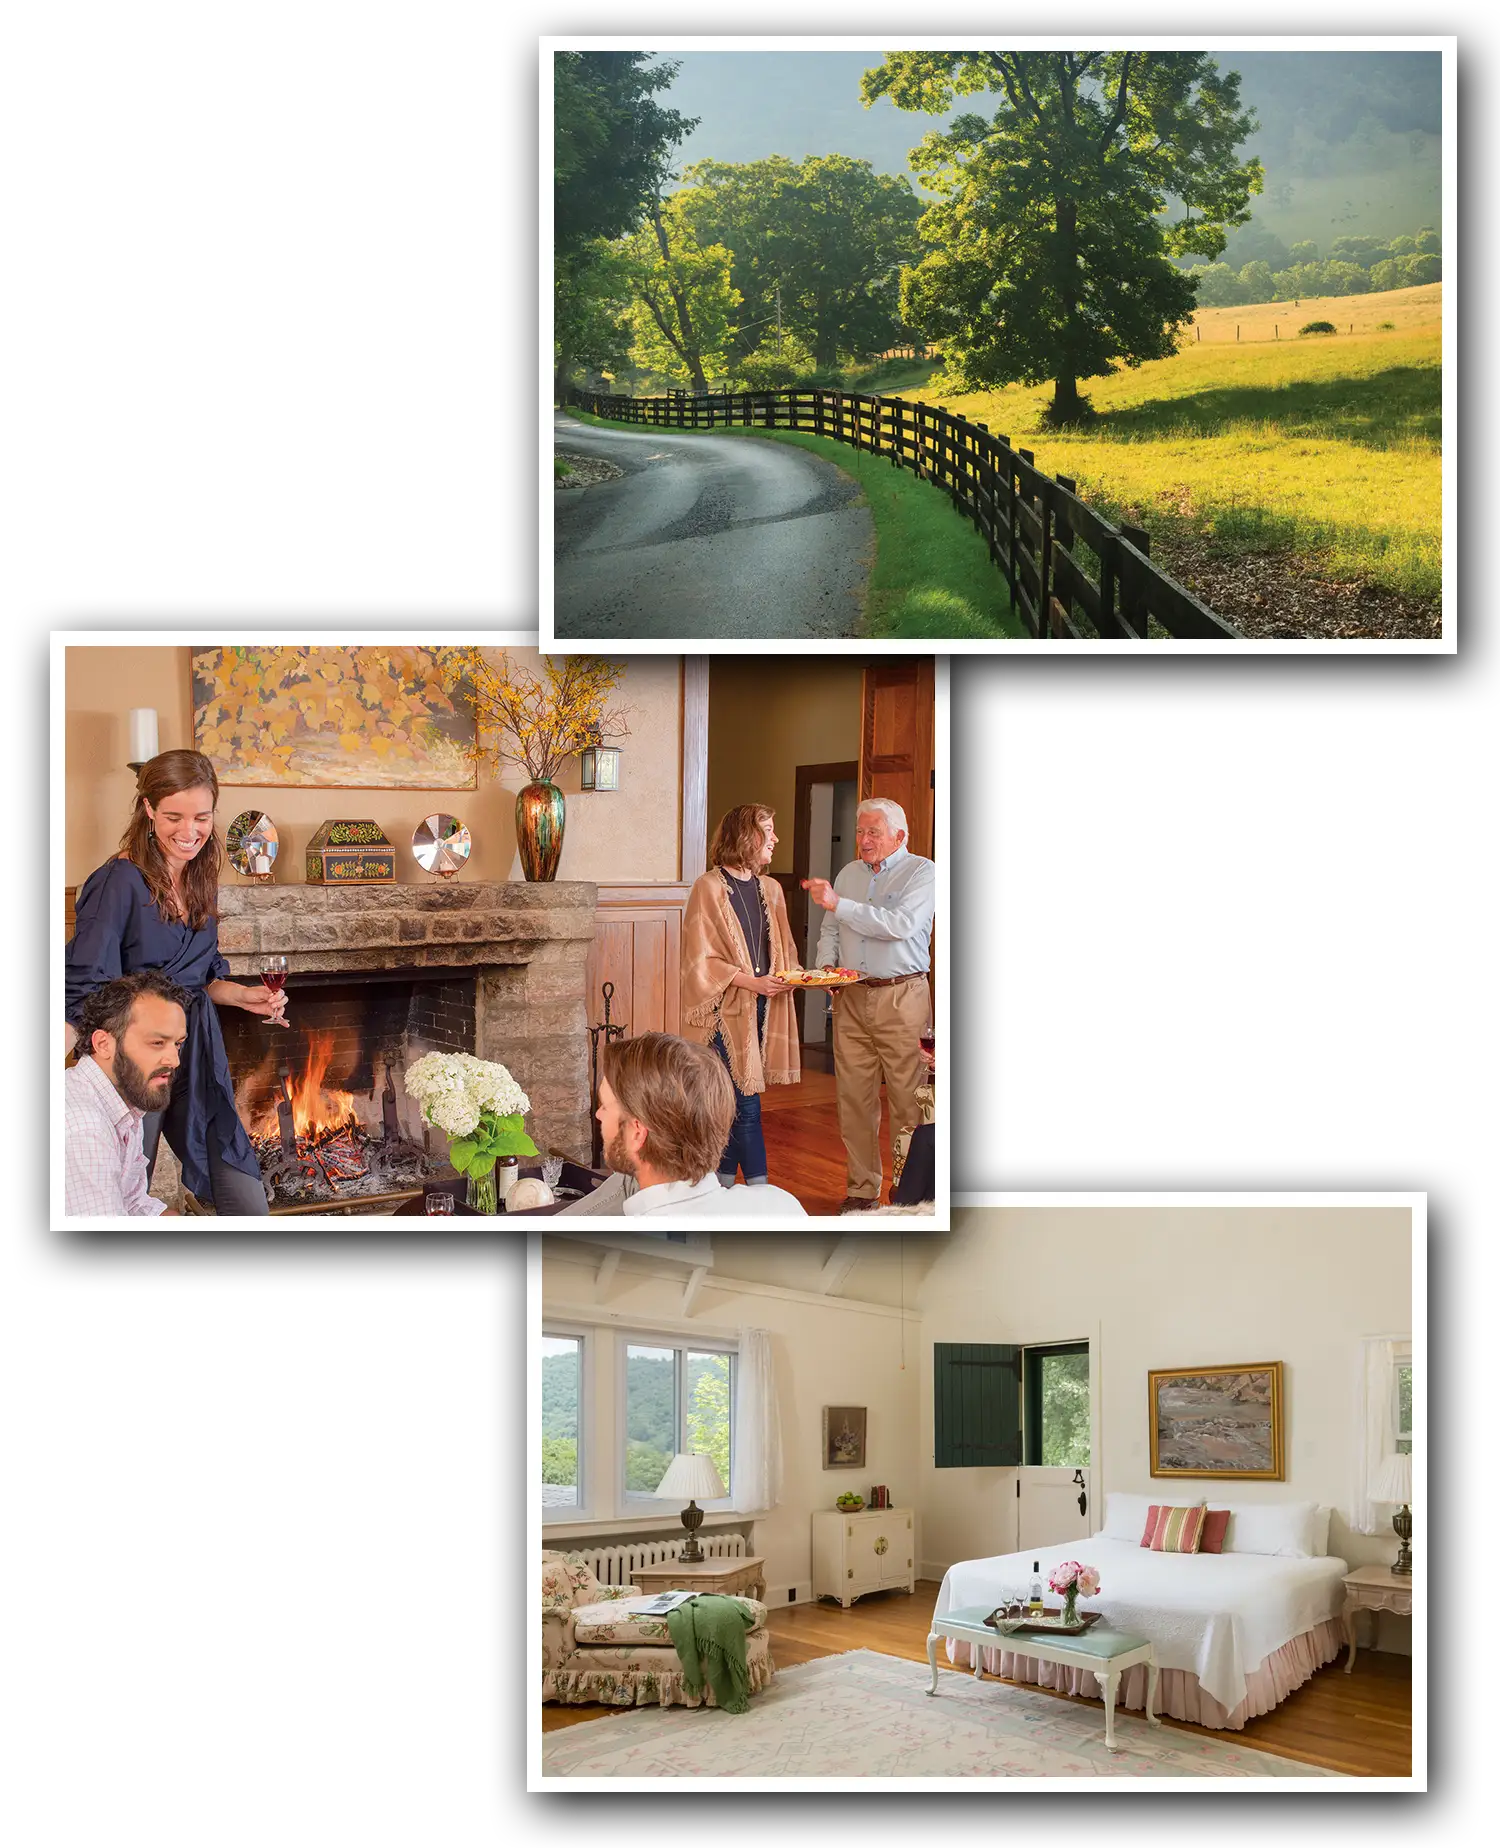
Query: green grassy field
pixel 1323 450
pixel 931 578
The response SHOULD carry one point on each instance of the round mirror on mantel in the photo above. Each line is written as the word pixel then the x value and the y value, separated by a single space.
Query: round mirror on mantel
pixel 441 843
pixel 252 845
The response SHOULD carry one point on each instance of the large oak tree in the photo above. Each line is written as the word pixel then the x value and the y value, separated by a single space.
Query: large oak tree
pixel 1050 241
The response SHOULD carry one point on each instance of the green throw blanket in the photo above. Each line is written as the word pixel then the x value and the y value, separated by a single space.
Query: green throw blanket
pixel 713 1629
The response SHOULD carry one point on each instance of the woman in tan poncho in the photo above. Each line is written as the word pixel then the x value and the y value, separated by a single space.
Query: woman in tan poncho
pixel 734 933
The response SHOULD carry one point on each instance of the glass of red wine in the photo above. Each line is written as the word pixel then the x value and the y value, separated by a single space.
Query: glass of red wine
pixel 273 973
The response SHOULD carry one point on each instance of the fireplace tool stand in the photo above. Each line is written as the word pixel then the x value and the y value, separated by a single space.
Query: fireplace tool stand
pixel 607 1031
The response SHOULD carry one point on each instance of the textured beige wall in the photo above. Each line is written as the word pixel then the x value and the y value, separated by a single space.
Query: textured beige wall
pixel 765 717
pixel 629 836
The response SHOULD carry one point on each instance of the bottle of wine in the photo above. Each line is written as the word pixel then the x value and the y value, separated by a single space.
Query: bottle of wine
pixel 1034 1604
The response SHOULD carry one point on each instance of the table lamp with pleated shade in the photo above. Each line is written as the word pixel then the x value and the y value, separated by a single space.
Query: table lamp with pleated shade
pixel 1392 1485
pixel 695 1478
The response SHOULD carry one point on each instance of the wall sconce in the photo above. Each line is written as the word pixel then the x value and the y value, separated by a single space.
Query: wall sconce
pixel 143 737
pixel 599 765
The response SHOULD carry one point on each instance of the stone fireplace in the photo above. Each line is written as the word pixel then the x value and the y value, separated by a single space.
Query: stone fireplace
pixel 380 974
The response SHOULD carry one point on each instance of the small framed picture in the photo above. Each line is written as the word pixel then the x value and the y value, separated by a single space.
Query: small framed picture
pixel 843 1437
pixel 1222 1422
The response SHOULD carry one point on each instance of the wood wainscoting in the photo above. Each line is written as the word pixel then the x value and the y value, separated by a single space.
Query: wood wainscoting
pixel 638 947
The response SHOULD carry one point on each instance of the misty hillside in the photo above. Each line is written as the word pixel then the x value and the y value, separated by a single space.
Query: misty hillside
pixel 1351 140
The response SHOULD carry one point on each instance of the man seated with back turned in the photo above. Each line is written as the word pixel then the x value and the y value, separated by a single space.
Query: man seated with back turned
pixel 133 1029
pixel 665 1109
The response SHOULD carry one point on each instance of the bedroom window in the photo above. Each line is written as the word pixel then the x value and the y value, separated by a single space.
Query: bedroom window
pixel 1055 1395
pixel 676 1397
pixel 1401 1414
pixel 562 1425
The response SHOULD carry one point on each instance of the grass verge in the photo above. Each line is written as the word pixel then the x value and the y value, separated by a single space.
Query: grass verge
pixel 931 578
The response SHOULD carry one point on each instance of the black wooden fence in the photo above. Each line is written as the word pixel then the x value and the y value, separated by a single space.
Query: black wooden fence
pixel 1071 573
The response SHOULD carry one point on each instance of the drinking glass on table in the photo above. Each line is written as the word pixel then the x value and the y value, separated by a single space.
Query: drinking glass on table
pixel 438 1203
pixel 552 1167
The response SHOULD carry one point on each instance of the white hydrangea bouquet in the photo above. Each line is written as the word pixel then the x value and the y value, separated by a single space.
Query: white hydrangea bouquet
pixel 480 1108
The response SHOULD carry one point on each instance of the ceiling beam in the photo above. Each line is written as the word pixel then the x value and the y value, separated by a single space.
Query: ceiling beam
pixel 835 1272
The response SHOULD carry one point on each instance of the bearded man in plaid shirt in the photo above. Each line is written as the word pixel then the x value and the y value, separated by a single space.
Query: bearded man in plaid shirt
pixel 133 1030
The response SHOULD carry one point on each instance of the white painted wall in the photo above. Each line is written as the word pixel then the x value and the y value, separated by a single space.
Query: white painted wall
pixel 827 1351
pixel 1161 1287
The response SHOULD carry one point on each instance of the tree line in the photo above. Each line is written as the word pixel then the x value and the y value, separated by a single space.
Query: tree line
pixel 752 274
pixel 1353 266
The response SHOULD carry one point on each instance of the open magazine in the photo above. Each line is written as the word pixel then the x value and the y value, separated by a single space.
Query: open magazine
pixel 663 1602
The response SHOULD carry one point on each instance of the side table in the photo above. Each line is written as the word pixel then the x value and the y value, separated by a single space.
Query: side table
pixel 1372 1588
pixel 745 1578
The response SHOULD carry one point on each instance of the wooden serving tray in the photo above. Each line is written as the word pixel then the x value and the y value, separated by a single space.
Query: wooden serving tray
pixel 1049 1626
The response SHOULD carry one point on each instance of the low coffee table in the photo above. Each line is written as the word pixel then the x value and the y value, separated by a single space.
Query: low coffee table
pixel 1104 1652
pixel 744 1578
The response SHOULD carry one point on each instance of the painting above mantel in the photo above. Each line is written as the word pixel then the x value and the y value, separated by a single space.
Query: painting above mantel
pixel 333 718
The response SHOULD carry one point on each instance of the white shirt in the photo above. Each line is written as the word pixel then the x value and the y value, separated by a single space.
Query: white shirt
pixel 882 924
pixel 706 1198
pixel 105 1169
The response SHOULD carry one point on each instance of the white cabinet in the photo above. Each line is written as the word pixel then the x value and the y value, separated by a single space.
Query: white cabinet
pixel 875 1550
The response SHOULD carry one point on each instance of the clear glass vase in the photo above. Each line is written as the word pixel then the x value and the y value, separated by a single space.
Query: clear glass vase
pixel 1070 1605
pixel 481 1194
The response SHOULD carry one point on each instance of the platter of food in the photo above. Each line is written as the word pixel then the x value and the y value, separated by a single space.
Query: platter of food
pixel 818 978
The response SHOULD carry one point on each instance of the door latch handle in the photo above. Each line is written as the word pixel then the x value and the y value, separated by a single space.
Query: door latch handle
pixel 1083 1491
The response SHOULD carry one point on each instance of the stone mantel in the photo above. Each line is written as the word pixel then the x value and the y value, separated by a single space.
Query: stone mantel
pixel 354 928
pixel 528 946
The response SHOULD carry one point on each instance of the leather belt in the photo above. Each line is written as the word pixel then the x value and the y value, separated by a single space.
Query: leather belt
pixel 890 981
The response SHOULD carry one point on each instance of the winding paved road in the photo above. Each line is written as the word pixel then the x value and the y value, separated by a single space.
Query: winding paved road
pixel 707 536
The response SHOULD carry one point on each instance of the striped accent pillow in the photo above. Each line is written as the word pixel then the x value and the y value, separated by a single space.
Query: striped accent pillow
pixel 1174 1530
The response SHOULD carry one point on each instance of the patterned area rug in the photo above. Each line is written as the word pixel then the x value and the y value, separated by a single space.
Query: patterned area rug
pixel 869 1715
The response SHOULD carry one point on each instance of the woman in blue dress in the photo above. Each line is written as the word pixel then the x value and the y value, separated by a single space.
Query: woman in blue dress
pixel 154 906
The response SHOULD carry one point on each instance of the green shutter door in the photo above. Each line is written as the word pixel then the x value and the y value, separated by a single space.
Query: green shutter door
pixel 976 1405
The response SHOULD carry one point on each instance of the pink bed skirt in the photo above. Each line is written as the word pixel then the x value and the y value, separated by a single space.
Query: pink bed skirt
pixel 1177 1691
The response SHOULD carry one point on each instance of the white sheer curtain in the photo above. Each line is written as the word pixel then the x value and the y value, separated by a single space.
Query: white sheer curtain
pixel 1374 1429
pixel 756 1484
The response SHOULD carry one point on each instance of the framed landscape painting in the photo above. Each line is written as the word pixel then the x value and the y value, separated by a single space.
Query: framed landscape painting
pixel 843 1437
pixel 1217 1421
pixel 333 718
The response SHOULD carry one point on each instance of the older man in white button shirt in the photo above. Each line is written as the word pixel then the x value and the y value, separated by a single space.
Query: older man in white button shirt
pixel 879 921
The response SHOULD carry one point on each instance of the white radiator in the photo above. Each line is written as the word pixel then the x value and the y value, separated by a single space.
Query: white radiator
pixel 613 1565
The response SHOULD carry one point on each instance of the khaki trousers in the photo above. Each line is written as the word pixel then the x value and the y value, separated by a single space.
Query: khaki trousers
pixel 875 1032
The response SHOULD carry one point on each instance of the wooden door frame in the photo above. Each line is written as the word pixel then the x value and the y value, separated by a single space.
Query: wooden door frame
pixel 692 854
pixel 796 898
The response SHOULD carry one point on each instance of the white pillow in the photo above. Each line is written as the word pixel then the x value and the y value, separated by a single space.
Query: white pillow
pixel 1320 1521
pixel 1285 1530
pixel 1125 1516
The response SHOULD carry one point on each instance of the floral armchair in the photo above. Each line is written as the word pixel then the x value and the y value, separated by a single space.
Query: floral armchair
pixel 596 1646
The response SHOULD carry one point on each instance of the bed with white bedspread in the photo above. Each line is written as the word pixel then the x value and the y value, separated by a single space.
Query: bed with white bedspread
pixel 1233 1632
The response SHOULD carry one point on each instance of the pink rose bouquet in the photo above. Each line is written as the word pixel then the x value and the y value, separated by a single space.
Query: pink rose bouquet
pixel 1074 1582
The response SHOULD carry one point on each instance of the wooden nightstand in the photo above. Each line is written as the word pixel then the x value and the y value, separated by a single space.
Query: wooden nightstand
pixel 1372 1588
pixel 743 1577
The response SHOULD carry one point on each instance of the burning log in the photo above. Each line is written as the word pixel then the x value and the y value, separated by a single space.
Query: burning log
pixel 286 1118
pixel 341 1159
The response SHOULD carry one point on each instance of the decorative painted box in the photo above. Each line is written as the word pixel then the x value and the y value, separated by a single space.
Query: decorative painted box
pixel 350 853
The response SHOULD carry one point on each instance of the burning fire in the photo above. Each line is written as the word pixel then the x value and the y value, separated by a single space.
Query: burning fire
pixel 318 1109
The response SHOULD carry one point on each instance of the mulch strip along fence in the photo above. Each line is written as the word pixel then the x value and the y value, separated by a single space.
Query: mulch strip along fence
pixel 1072 575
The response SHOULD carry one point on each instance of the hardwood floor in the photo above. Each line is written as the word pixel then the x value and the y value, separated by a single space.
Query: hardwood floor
pixel 1358 1724
pixel 804 1152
